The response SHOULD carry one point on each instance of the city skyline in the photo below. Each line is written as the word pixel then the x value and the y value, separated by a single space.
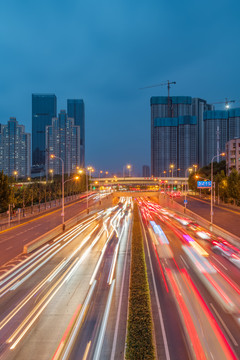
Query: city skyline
pixel 117 54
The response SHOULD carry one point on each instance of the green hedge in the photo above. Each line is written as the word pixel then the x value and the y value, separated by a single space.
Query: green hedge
pixel 140 325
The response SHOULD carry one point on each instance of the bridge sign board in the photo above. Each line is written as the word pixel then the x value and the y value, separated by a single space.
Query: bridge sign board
pixel 204 184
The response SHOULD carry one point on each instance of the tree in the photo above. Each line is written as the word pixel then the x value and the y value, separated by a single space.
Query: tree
pixel 233 183
pixel 5 192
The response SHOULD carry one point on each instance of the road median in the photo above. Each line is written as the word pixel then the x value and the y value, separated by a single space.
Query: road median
pixel 140 343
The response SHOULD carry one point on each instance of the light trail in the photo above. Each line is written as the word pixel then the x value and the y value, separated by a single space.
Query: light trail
pixel 47 258
pixel 98 349
pixel 66 352
pixel 67 275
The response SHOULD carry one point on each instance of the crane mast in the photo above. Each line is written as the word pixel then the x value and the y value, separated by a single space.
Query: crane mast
pixel 168 84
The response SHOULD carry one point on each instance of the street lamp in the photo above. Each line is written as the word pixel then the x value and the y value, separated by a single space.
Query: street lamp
pixel 211 212
pixel 163 172
pixel 195 168
pixel 129 167
pixel 185 201
pixel 172 167
pixel 51 172
pixel 52 156
pixel 90 169
pixel 15 173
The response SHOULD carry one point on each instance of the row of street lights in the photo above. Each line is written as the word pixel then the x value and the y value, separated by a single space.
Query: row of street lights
pixel 80 171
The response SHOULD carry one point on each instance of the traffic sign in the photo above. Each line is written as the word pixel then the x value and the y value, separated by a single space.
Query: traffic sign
pixel 204 184
pixel 185 202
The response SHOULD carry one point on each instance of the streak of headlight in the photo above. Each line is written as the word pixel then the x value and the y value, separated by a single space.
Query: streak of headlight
pixel 38 310
pixel 48 278
pixel 104 324
pixel 78 323
pixel 100 258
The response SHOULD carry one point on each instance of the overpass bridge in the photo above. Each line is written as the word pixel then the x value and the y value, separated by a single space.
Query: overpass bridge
pixel 178 182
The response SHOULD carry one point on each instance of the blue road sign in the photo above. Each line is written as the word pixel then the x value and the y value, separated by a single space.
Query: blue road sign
pixel 185 201
pixel 204 184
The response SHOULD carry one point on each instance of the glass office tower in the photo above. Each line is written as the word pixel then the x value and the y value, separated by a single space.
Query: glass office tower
pixel 44 108
pixel 76 110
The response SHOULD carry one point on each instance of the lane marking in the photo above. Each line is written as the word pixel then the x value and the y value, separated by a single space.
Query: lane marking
pixel 224 325
pixel 86 351
pixel 120 303
pixel 157 300
pixel 220 263
pixel 98 350
pixel 184 261
pixel 78 323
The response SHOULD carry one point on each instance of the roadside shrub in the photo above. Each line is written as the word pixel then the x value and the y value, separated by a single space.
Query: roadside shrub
pixel 140 326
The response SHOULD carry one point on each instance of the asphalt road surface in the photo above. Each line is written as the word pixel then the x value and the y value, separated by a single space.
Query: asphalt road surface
pixel 44 295
pixel 195 291
pixel 13 240
pixel 227 219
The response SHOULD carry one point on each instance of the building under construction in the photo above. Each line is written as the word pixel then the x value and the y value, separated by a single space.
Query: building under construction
pixel 177 133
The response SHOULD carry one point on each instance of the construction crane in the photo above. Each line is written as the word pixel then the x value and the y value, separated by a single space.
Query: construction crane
pixel 168 84
pixel 226 102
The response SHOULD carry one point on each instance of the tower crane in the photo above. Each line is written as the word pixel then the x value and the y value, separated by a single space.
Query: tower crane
pixel 168 84
pixel 226 102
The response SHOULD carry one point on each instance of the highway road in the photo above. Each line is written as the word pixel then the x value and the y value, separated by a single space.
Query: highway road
pixel 69 299
pixel 80 278
pixel 13 240
pixel 227 219
pixel 195 290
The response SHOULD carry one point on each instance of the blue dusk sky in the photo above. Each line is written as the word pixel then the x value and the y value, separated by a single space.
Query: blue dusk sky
pixel 103 51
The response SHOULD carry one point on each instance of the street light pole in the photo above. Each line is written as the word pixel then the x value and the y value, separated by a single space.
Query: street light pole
pixel 172 167
pixel 52 156
pixel 87 189
pixel 211 211
pixel 185 201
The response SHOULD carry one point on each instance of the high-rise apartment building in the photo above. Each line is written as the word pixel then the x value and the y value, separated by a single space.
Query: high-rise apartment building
pixel 233 155
pixel 44 108
pixel 174 144
pixel 63 140
pixel 199 106
pixel 220 126
pixel 15 149
pixel 174 107
pixel 76 110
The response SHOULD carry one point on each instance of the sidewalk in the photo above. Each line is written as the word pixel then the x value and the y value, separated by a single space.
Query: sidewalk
pixel 37 210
